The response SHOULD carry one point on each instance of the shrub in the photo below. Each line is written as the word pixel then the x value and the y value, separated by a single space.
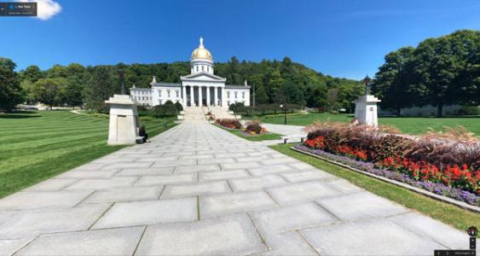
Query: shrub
pixel 164 110
pixel 469 110
pixel 230 123
pixel 178 106
pixel 254 126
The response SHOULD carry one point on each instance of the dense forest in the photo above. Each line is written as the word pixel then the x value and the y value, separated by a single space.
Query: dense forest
pixel 274 82
pixel 439 71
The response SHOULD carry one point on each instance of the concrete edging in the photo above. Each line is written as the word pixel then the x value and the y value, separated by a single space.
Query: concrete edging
pixel 399 184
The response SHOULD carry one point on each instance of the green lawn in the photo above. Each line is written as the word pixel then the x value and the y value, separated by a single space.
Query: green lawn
pixel 35 146
pixel 447 213
pixel 410 125
pixel 266 136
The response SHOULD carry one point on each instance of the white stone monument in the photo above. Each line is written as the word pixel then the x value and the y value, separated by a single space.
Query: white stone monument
pixel 366 107
pixel 123 120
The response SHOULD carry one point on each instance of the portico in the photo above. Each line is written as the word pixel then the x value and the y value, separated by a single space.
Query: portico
pixel 202 96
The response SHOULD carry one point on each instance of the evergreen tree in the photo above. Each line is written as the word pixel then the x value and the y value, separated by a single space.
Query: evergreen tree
pixel 10 90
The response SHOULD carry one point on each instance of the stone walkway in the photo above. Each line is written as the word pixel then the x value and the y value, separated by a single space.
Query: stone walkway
pixel 199 190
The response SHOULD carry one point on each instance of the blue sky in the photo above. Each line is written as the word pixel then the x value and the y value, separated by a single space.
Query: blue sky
pixel 339 38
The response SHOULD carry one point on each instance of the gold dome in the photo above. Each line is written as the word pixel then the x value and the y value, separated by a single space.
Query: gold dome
pixel 201 52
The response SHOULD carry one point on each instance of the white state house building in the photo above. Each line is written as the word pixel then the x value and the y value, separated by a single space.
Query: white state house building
pixel 201 88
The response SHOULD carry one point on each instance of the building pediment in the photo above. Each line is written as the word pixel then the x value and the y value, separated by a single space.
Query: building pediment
pixel 202 76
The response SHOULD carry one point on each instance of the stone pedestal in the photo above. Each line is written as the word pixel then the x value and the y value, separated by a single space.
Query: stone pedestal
pixel 123 120
pixel 366 110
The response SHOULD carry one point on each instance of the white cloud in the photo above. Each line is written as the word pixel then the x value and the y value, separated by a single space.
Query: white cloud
pixel 45 8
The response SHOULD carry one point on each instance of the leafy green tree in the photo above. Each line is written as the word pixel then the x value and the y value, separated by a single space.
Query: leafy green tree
pixel 347 93
pixel 27 91
pixel 261 96
pixel 101 87
pixel 50 91
pixel 395 83
pixel 32 73
pixel 10 90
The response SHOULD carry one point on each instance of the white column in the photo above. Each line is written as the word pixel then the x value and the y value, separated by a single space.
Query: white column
pixel 184 96
pixel 215 96
pixel 224 97
pixel 208 96
pixel 200 96
pixel 191 97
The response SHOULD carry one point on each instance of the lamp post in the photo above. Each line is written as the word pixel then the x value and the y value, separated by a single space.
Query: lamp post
pixel 121 74
pixel 366 81
pixel 284 107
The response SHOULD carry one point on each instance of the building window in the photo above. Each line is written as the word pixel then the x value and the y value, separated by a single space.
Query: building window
pixel 202 68
pixel 208 69
pixel 228 103
pixel 196 67
pixel 236 94
pixel 243 95
pixel 177 93
pixel 168 93
pixel 228 96
pixel 160 93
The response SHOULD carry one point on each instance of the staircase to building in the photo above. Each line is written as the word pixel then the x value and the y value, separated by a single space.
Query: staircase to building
pixel 193 115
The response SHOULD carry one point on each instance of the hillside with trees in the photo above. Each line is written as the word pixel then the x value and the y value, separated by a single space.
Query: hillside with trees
pixel 439 71
pixel 274 82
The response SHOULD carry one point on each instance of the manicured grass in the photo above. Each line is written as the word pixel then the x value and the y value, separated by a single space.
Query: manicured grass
pixel 35 146
pixel 266 136
pixel 449 214
pixel 410 125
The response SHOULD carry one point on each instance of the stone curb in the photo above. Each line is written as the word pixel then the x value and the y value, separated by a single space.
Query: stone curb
pixel 444 199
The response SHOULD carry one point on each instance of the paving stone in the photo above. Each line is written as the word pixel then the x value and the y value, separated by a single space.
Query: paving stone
pixel 229 155
pixel 216 161
pixel 32 223
pixel 145 171
pixel 102 184
pixel 234 166
pixel 88 174
pixel 285 160
pixel 166 179
pixel 344 186
pixel 347 207
pixel 51 185
pixel 149 212
pixel 436 230
pixel 177 191
pixel 223 175
pixel 307 176
pixel 288 218
pixel 167 159
pixel 120 241
pixel 301 192
pixel 124 195
pixel 302 166
pixel 271 169
pixel 4 215
pixel 198 157
pixel 217 205
pixel 231 235
pixel 251 159
pixel 378 237
pixel 9 247
pixel 257 183
pixel 126 165
pixel 197 168
pixel 37 200
pixel 288 243
pixel 175 163
pixel 91 166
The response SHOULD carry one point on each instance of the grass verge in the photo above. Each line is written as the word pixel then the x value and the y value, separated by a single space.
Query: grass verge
pixel 449 214
pixel 35 146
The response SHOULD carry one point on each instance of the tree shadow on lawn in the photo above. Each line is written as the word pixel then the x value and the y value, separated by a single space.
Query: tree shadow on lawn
pixel 19 115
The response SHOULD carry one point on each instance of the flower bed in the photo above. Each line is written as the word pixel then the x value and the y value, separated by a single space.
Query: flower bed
pixel 230 123
pixel 445 167
pixel 254 128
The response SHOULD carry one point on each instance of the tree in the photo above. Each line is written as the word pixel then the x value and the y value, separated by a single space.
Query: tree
pixel 100 87
pixel 32 73
pixel 394 83
pixel 332 99
pixel 347 93
pixel 10 90
pixel 50 91
pixel 261 96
